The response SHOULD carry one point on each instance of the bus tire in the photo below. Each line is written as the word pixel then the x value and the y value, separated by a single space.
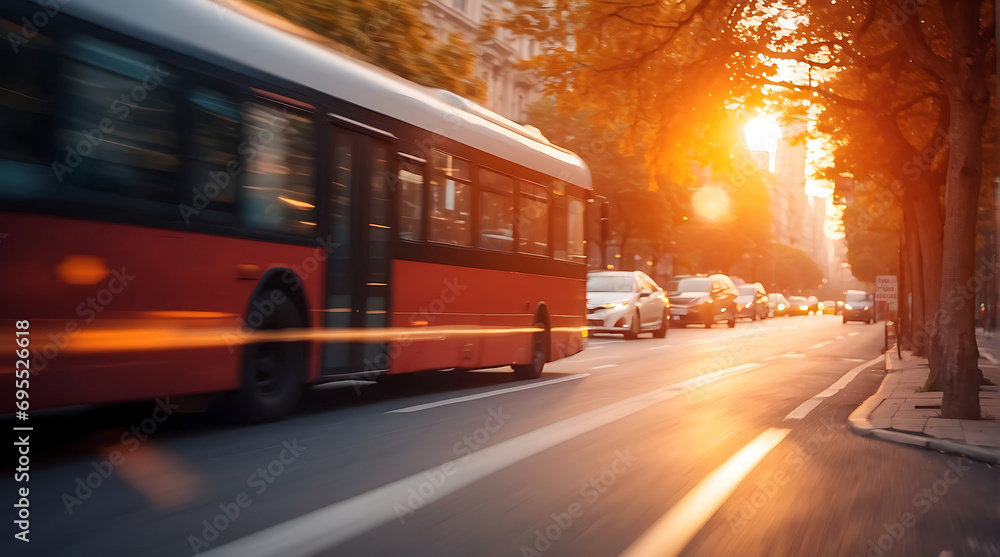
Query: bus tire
pixel 273 372
pixel 539 354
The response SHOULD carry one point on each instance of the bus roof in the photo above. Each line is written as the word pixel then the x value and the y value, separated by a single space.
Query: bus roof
pixel 211 31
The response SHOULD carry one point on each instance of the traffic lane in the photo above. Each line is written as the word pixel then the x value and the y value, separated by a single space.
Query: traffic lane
pixel 673 446
pixel 796 334
pixel 827 491
pixel 223 458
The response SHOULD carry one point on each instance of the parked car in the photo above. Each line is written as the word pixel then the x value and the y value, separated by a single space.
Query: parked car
pixel 778 304
pixel 813 302
pixel 626 303
pixel 752 301
pixel 859 306
pixel 704 299
pixel 829 307
pixel 798 305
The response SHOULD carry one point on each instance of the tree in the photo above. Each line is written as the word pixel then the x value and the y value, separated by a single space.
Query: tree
pixel 673 70
pixel 388 33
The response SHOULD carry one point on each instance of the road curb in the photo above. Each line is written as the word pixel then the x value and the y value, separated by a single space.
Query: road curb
pixel 858 423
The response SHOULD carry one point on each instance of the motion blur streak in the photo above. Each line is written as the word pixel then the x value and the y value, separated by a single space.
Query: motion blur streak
pixel 672 532
pixel 136 335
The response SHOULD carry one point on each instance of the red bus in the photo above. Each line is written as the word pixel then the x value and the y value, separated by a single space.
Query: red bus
pixel 195 202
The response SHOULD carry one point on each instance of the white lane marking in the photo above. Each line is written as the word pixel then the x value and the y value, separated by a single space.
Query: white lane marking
pixel 770 358
pixel 478 396
pixel 329 526
pixel 793 355
pixel 840 337
pixel 675 529
pixel 808 406
pixel 855 333
pixel 820 344
pixel 661 346
pixel 989 357
pixel 595 346
pixel 804 409
pixel 853 359
pixel 605 366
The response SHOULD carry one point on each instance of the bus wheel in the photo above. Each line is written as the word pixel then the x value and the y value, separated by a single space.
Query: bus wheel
pixel 273 372
pixel 539 354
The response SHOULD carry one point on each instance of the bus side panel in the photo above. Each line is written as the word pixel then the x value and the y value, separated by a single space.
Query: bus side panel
pixel 457 300
pixel 122 312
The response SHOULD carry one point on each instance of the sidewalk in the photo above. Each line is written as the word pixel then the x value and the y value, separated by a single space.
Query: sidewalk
pixel 898 413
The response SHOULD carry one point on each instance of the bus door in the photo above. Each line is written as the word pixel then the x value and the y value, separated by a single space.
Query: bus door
pixel 358 270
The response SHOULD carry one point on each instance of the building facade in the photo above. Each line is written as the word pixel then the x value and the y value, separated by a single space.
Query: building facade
pixel 510 90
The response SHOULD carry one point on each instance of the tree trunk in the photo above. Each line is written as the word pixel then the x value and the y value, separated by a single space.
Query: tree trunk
pixel 927 210
pixel 903 293
pixel 915 280
pixel 959 370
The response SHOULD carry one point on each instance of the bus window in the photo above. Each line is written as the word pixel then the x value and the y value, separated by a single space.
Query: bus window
pixel 411 200
pixel 576 247
pixel 496 211
pixel 451 200
pixel 215 162
pixel 26 101
pixel 117 131
pixel 560 229
pixel 533 219
pixel 279 190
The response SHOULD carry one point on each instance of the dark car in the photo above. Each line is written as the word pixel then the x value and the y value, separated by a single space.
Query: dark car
pixel 859 306
pixel 752 301
pixel 798 305
pixel 704 299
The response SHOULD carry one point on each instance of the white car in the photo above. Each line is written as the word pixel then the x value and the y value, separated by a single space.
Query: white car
pixel 627 303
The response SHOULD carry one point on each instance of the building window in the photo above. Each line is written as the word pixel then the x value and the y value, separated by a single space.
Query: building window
pixel 411 201
pixel 459 5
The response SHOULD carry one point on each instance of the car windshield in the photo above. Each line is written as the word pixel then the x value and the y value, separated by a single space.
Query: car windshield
pixel 609 283
pixel 694 284
pixel 746 289
pixel 797 300
pixel 858 297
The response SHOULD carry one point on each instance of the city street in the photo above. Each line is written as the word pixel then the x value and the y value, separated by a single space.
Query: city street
pixel 707 442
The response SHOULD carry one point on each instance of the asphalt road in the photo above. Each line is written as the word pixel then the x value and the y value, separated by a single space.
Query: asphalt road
pixel 708 442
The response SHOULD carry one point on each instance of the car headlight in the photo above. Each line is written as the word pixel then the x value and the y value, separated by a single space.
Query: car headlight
pixel 804 308
pixel 848 306
pixel 866 308
pixel 615 306
pixel 781 307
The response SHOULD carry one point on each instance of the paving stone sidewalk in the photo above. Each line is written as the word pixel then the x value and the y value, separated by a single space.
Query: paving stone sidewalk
pixel 899 413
